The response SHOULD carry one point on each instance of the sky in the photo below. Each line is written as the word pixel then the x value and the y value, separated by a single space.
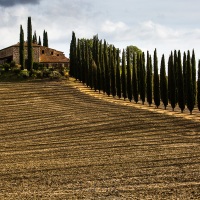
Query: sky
pixel 165 25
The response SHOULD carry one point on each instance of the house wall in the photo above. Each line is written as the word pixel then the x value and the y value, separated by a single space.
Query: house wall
pixel 36 54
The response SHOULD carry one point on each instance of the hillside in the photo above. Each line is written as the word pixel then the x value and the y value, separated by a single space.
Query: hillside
pixel 59 142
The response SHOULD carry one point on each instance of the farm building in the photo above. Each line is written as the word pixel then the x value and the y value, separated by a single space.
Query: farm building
pixel 41 54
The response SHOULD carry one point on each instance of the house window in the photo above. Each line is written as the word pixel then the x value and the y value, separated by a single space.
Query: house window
pixel 52 53
pixel 42 51
pixel 57 54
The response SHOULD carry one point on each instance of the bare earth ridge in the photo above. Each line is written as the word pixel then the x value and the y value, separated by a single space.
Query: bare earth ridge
pixel 61 140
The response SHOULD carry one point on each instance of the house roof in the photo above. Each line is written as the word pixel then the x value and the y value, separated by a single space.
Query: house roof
pixel 53 59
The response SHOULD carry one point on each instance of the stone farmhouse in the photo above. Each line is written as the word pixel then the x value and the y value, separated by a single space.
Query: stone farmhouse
pixel 41 54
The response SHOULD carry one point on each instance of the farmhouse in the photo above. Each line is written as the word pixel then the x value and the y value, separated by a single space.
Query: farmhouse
pixel 41 54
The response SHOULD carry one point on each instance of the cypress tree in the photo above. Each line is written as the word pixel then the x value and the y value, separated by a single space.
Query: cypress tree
pixel 90 69
pixel 190 90
pixel 149 79
pixel 30 46
pixel 163 83
pixel 107 69
pixel 180 84
pixel 98 66
pixel 35 38
pixel 134 79
pixel 142 78
pixel 39 41
pixel 172 85
pixel 198 87
pixel 21 48
pixel 123 76
pixel 185 75
pixel 138 61
pixel 78 60
pixel 87 76
pixel 156 90
pixel 83 67
pixel 73 54
pixel 118 76
pixel 129 82
pixel 102 67
pixel 45 39
pixel 193 62
pixel 113 70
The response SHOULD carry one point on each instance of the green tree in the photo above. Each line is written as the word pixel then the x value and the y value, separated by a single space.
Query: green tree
pixel 142 78
pixel 134 79
pixel 193 62
pixel 39 41
pixel 107 69
pixel 180 84
pixel 45 39
pixel 30 47
pixel 190 89
pixel 129 81
pixel 118 76
pixel 113 70
pixel 73 56
pixel 35 38
pixel 123 76
pixel 21 48
pixel 163 83
pixel 172 81
pixel 156 85
pixel 149 79
pixel 185 75
pixel 198 87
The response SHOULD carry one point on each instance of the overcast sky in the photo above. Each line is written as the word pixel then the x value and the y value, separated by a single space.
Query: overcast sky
pixel 165 25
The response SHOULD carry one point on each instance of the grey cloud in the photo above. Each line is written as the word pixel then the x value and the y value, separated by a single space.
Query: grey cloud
pixel 10 3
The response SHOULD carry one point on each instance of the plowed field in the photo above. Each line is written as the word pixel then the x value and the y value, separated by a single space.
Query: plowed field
pixel 59 142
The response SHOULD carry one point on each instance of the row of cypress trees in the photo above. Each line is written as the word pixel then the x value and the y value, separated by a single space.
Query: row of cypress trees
pixel 30 40
pixel 134 75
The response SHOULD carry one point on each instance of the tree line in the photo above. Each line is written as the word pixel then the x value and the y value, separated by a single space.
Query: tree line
pixel 30 40
pixel 135 76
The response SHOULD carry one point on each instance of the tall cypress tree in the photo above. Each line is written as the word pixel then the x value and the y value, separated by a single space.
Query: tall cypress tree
pixel 45 39
pixel 198 87
pixel 193 62
pixel 163 83
pixel 129 82
pixel 123 76
pixel 113 70
pixel 149 79
pixel 30 46
pixel 142 78
pixel 180 84
pixel 185 75
pixel 107 69
pixel 118 76
pixel 39 41
pixel 138 61
pixel 172 78
pixel 190 90
pixel 156 85
pixel 35 38
pixel 73 55
pixel 134 79
pixel 21 48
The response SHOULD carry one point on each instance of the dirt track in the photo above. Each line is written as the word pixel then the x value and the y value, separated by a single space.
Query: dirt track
pixel 57 142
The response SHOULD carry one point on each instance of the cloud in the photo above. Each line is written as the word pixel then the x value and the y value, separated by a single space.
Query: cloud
pixel 10 3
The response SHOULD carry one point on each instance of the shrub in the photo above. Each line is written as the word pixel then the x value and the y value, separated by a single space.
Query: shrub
pixel 55 75
pixel 6 67
pixel 24 73
pixel 37 74
pixel 46 72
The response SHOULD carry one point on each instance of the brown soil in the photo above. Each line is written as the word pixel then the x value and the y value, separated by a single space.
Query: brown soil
pixel 60 140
